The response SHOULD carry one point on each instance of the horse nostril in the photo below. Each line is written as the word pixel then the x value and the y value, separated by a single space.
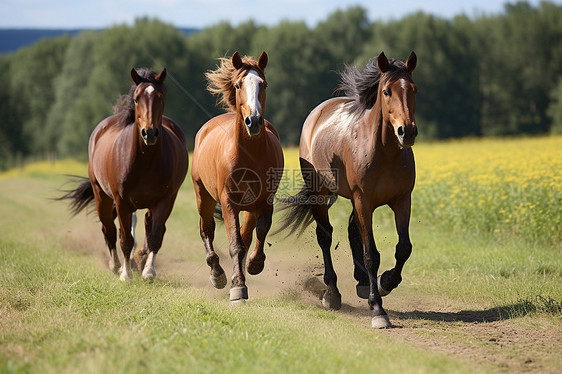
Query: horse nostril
pixel 401 131
pixel 143 133
pixel 248 121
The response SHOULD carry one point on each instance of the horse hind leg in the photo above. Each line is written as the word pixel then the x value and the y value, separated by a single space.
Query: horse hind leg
pixel 257 258
pixel 359 272
pixel 155 230
pixel 332 297
pixel 140 256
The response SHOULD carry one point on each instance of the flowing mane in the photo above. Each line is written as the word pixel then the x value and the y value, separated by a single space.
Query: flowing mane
pixel 125 106
pixel 362 86
pixel 221 80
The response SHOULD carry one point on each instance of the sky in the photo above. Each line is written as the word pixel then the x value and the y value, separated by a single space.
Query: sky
pixel 96 14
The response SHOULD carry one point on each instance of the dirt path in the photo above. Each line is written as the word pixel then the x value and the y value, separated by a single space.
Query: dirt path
pixel 484 339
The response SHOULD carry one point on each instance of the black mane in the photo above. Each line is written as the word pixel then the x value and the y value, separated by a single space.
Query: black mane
pixel 362 86
pixel 125 106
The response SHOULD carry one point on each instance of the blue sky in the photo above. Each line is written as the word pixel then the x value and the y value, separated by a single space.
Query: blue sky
pixel 203 13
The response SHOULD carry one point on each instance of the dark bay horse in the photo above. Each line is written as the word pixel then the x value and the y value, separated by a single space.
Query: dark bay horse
pixel 358 147
pixel 238 162
pixel 137 160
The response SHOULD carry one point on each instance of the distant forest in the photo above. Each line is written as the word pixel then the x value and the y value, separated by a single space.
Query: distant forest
pixel 490 75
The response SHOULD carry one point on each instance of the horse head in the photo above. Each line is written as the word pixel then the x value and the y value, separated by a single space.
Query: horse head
pixel 250 85
pixel 149 98
pixel 399 99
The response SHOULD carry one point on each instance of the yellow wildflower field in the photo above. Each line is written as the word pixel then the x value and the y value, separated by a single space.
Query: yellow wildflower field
pixel 507 187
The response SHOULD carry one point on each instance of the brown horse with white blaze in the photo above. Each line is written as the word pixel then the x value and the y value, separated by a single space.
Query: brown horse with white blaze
pixel 137 160
pixel 359 147
pixel 236 162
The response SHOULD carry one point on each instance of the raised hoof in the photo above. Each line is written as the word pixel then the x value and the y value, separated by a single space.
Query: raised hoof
pixel 362 291
pixel 380 322
pixel 148 274
pixel 256 265
pixel 382 291
pixel 238 294
pixel 219 282
pixel 331 301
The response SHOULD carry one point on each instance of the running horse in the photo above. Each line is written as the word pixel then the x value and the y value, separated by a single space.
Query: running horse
pixel 137 160
pixel 237 162
pixel 359 147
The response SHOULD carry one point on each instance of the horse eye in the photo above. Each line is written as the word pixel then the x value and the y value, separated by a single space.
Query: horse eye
pixel 237 86
pixel 385 93
pixel 136 101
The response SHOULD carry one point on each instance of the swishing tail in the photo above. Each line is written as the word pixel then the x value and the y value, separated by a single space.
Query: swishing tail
pixel 299 206
pixel 79 197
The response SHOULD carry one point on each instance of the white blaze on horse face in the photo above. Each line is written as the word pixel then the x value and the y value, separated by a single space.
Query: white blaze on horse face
pixel 252 83
pixel 149 90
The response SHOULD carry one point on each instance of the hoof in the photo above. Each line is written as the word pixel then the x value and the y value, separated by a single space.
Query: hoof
pixel 382 291
pixel 239 302
pixel 331 301
pixel 238 294
pixel 256 265
pixel 148 274
pixel 115 267
pixel 219 282
pixel 362 291
pixel 126 275
pixel 380 322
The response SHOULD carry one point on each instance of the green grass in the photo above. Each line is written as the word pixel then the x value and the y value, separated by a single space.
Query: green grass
pixel 62 311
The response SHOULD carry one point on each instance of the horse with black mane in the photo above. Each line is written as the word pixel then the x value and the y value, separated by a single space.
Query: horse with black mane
pixel 359 147
pixel 137 160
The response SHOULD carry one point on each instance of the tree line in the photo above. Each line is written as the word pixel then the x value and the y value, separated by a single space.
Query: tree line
pixel 486 75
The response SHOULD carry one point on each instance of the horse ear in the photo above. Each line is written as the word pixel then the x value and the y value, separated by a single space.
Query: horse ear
pixel 160 77
pixel 135 76
pixel 382 62
pixel 236 61
pixel 411 62
pixel 262 61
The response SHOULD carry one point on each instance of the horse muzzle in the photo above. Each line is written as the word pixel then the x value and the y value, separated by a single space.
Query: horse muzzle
pixel 150 136
pixel 254 124
pixel 407 135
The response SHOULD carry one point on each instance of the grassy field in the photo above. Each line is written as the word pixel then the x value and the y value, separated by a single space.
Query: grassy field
pixel 482 291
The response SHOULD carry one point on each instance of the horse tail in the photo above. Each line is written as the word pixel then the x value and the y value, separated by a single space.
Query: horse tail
pixel 299 207
pixel 79 197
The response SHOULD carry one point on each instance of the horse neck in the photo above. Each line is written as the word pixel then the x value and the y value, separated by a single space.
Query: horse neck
pixel 245 141
pixel 384 138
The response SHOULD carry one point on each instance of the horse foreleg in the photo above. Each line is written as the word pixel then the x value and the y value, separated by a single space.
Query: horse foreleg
pixel 124 214
pixel 104 207
pixel 390 279
pixel 237 249
pixel 256 260
pixel 371 259
pixel 206 207
pixel 332 297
